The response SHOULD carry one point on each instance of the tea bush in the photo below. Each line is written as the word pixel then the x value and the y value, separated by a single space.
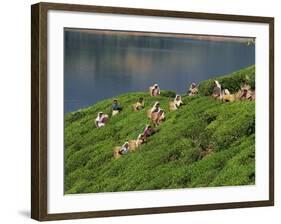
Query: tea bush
pixel 231 82
pixel 172 157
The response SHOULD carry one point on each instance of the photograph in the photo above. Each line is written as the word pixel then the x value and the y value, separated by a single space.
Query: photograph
pixel 155 111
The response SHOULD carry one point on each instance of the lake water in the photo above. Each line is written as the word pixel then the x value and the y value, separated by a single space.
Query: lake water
pixel 99 66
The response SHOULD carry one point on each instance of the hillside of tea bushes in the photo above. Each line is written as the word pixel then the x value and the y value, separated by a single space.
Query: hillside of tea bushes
pixel 174 157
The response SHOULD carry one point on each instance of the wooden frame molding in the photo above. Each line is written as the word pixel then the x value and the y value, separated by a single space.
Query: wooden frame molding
pixel 39 203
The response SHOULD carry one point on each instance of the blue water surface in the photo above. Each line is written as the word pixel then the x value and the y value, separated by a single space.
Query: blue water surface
pixel 99 66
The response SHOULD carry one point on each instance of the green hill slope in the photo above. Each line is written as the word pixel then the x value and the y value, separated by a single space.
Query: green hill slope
pixel 171 158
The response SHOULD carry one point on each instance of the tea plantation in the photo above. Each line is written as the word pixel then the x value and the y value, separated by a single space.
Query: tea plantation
pixel 206 143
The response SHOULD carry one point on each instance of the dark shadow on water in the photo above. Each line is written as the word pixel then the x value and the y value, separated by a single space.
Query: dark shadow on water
pixel 24 213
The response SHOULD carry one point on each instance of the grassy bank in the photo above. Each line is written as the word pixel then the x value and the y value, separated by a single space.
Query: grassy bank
pixel 174 156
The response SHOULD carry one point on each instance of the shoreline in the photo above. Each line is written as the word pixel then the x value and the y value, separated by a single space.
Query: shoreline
pixel 199 37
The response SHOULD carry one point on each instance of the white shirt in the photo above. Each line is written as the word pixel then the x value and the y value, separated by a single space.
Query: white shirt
pixel 99 121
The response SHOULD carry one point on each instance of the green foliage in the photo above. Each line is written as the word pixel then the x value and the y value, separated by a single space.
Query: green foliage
pixel 171 158
pixel 231 82
pixel 168 93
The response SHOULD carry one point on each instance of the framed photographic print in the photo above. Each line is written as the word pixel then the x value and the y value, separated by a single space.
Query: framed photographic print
pixel 139 111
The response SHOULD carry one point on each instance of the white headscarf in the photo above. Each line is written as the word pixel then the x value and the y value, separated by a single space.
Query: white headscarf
pixel 245 87
pixel 146 127
pixel 177 97
pixel 154 106
pixel 218 84
pixel 124 145
pixel 156 86
pixel 99 113
pixel 226 92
